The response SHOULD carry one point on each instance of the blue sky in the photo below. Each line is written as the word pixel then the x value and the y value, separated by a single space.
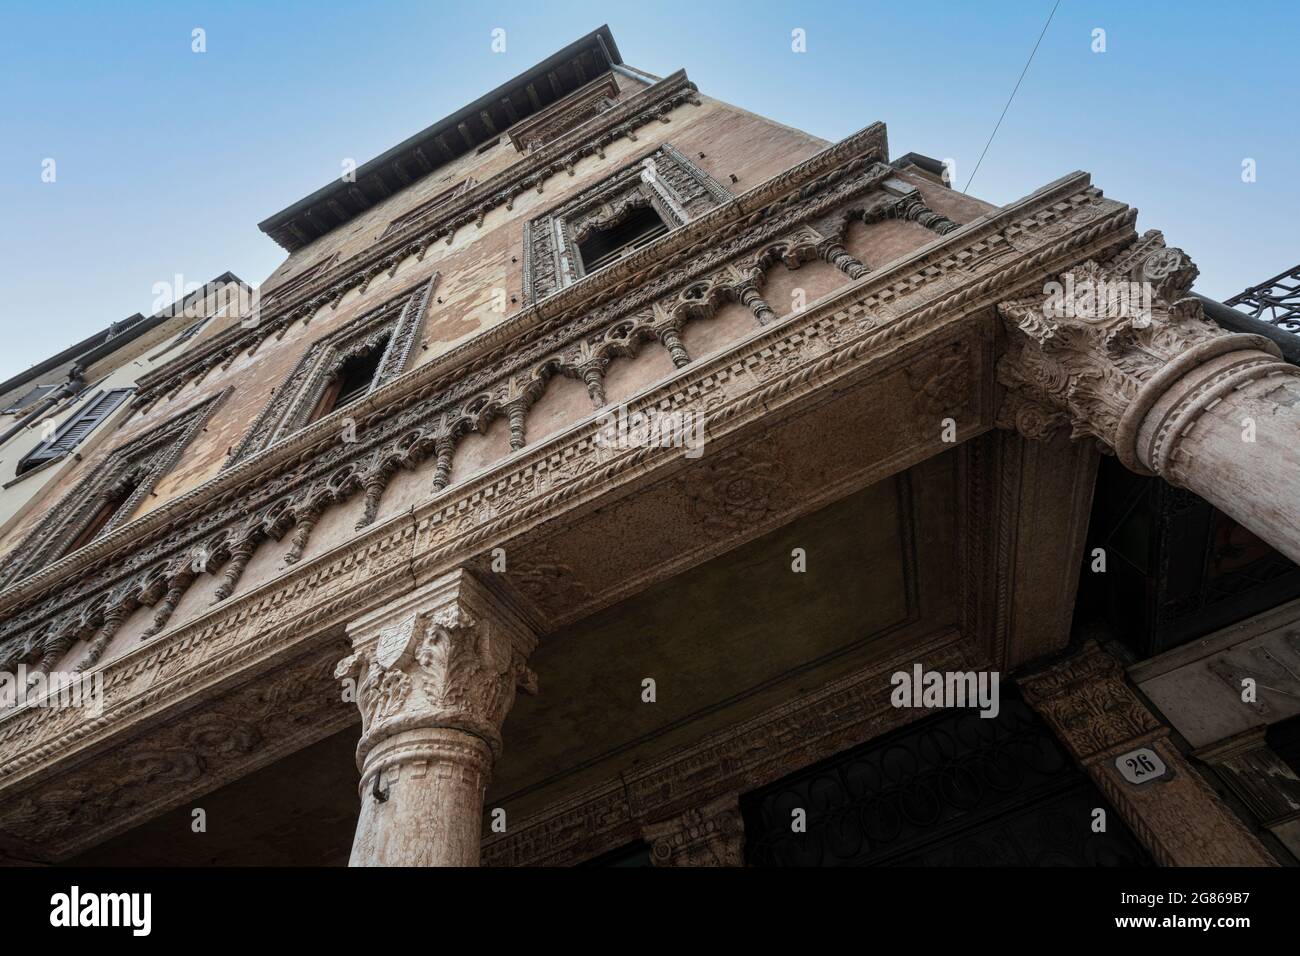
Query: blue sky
pixel 166 159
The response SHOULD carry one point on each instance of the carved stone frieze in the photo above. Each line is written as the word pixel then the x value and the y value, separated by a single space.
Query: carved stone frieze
pixel 277 492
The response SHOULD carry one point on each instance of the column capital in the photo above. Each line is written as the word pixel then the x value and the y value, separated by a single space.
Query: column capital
pixel 448 655
pixel 1098 347
pixel 712 834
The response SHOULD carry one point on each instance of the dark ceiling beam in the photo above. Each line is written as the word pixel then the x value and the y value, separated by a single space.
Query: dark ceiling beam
pixel 466 135
pixel 490 126
pixel 555 84
pixel 423 157
pixel 313 219
pixel 532 96
pixel 509 108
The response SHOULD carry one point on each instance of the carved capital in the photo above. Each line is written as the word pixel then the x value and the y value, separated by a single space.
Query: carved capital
pixel 712 834
pixel 1099 345
pixel 1090 706
pixel 449 655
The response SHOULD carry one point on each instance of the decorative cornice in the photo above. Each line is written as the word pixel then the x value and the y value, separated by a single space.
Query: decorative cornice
pixel 683 247
pixel 952 278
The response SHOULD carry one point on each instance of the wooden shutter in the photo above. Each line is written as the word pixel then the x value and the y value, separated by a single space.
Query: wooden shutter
pixel 72 432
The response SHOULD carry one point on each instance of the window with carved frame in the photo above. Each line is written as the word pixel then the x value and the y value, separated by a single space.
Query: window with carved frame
pixel 341 368
pixel 565 115
pixel 615 217
pixel 106 498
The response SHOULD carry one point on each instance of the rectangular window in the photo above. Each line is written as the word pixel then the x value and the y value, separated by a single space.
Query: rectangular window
pixel 75 430
pixel 603 246
pixel 30 399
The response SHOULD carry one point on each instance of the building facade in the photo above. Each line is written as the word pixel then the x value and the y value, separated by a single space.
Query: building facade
pixel 612 476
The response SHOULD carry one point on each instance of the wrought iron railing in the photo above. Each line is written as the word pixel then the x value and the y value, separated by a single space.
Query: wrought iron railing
pixel 1276 301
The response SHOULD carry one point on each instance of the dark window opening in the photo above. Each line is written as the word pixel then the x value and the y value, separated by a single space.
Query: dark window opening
pixel 352 380
pixel 603 246
pixel 109 507
pixel 31 398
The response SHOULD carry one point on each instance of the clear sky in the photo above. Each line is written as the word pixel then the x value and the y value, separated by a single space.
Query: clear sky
pixel 166 159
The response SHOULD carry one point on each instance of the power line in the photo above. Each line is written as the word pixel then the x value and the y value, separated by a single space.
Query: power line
pixel 1012 96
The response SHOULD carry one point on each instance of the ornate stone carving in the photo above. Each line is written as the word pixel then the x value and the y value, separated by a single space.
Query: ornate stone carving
pixel 565 115
pixel 1086 347
pixel 712 834
pixel 393 325
pixel 435 674
pixel 268 496
pixel 1090 706
pixel 453 658
pixel 665 180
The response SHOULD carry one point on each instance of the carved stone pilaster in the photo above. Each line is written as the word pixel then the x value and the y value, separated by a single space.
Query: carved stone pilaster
pixel 434 675
pixel 709 835
pixel 1121 352
pixel 1181 820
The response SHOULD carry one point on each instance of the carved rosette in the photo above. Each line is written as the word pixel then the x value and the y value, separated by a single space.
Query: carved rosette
pixel 1084 351
pixel 450 655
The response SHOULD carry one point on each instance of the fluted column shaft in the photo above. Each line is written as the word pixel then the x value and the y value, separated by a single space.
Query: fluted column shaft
pixel 434 675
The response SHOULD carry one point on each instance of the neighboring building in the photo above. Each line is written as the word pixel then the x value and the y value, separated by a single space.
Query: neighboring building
pixel 746 458
pixel 56 412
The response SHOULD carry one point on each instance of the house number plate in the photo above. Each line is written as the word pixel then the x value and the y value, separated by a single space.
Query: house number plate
pixel 1141 766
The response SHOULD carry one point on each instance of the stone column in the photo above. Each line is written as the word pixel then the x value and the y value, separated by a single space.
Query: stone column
pixel 1122 352
pixel 434 674
pixel 1127 752
pixel 1257 775
pixel 712 834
